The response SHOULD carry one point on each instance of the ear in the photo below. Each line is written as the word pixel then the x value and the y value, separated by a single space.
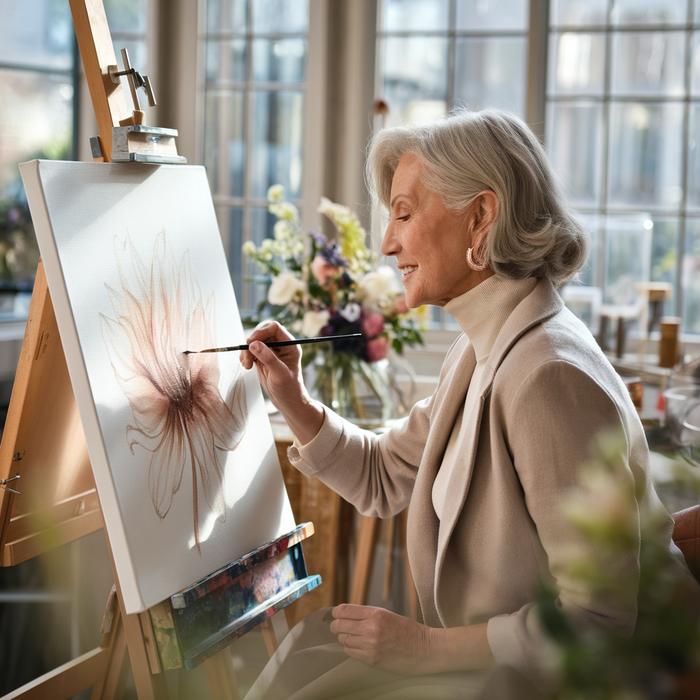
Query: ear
pixel 484 212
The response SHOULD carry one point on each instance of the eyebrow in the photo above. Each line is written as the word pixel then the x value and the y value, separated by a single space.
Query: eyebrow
pixel 398 196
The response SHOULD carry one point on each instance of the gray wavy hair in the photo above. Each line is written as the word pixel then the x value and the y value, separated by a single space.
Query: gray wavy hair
pixel 534 235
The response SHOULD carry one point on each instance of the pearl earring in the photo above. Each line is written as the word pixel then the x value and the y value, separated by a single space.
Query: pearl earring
pixel 478 267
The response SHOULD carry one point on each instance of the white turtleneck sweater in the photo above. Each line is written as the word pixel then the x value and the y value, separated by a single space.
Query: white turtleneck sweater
pixel 480 313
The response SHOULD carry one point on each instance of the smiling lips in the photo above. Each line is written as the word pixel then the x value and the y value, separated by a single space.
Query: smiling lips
pixel 406 270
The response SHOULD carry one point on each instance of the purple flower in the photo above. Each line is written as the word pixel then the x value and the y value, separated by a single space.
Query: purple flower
pixel 328 250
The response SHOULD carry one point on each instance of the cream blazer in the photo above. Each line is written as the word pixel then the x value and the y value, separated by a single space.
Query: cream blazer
pixel 548 392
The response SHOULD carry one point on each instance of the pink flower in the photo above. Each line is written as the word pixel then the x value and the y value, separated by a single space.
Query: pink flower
pixel 323 271
pixel 377 348
pixel 373 324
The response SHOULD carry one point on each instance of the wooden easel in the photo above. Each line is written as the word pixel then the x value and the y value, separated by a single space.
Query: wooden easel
pixel 43 452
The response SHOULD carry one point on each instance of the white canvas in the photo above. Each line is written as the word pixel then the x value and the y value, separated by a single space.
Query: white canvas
pixel 181 447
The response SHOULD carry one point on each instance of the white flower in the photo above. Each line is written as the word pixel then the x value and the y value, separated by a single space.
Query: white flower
pixel 332 210
pixel 284 210
pixel 275 193
pixel 376 286
pixel 249 248
pixel 283 230
pixel 351 312
pixel 283 288
pixel 313 321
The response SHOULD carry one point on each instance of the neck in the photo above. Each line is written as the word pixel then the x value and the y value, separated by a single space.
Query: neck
pixel 475 278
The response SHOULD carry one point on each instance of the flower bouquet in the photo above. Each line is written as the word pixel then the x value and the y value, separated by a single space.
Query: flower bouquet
pixel 318 286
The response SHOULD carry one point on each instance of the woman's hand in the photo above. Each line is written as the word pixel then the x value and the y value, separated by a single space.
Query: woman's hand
pixel 279 370
pixel 398 644
pixel 382 638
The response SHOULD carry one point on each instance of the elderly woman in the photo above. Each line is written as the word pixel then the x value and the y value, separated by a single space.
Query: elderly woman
pixel 478 227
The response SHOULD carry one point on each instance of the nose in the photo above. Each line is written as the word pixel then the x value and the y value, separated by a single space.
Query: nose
pixel 390 245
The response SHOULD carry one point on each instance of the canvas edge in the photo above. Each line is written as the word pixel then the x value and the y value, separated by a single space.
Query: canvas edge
pixel 30 173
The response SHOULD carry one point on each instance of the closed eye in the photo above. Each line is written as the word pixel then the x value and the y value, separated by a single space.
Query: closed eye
pixel 405 217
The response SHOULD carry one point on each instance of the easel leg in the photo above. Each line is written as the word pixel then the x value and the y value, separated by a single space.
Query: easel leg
pixel 269 637
pixel 107 689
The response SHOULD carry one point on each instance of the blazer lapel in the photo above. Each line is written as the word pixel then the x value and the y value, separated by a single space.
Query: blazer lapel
pixel 542 303
pixel 422 526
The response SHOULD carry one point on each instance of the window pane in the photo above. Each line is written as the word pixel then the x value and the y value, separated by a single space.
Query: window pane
pixel 492 14
pixel 225 61
pixel 578 12
pixel 591 225
pixel 691 277
pixel 35 122
pixel 694 157
pixel 280 16
pixel 262 224
pixel 415 78
pixel 627 257
pixel 421 15
pixel 281 60
pixel 649 11
pixel 574 144
pixel 224 146
pixel 277 141
pixel 648 63
pixel 664 251
pixel 576 64
pixel 126 15
pixel 226 15
pixel 645 154
pixel 231 228
pixel 36 114
pixel 695 63
pixel 36 33
pixel 490 72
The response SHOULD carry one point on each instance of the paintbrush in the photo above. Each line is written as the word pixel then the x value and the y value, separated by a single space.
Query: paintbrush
pixel 279 343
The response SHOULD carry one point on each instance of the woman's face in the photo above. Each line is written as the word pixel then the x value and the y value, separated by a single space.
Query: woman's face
pixel 428 241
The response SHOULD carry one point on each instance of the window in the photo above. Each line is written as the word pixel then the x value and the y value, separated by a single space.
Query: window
pixel 623 129
pixel 37 107
pixel 39 116
pixel 435 54
pixel 128 23
pixel 255 56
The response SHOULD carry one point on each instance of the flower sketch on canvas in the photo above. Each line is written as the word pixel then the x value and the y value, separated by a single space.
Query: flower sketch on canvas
pixel 179 414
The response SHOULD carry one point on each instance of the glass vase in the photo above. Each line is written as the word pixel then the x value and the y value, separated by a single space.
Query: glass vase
pixel 366 393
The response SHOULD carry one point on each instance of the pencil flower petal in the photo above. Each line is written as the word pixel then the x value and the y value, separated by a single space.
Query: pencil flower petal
pixel 178 413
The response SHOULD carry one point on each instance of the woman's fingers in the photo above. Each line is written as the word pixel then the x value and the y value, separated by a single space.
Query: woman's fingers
pixel 267 357
pixel 351 641
pixel 351 611
pixel 347 626
pixel 265 332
